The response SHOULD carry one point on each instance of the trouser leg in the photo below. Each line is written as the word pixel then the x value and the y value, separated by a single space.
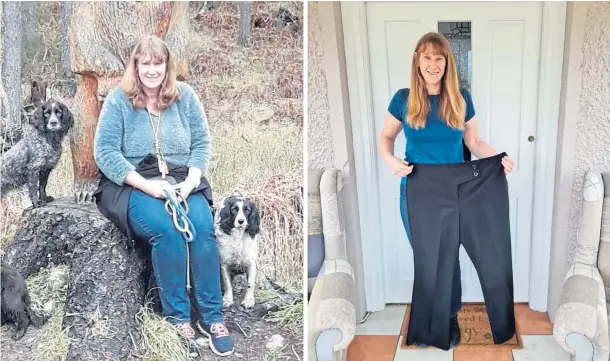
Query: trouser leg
pixel 150 222
pixel 435 241
pixel 205 262
pixel 456 287
pixel 485 233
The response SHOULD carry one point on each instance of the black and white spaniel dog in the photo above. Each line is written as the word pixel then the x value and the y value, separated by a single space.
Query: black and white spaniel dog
pixel 237 228
pixel 32 159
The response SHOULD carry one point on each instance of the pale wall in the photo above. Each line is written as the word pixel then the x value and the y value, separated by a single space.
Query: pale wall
pixel 593 137
pixel 584 129
pixel 329 131
pixel 319 139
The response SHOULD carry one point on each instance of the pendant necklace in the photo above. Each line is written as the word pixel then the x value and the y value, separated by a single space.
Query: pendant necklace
pixel 156 132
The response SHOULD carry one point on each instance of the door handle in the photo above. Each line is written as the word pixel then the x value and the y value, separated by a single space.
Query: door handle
pixel 530 138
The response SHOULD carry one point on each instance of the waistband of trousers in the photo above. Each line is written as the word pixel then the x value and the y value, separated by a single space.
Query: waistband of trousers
pixel 466 165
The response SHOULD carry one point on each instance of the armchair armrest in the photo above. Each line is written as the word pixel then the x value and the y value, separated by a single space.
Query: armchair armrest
pixel 582 315
pixel 331 311
pixel 331 220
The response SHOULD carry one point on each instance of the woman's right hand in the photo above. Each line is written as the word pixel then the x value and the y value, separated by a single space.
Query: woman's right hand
pixel 156 188
pixel 399 167
pixel 391 128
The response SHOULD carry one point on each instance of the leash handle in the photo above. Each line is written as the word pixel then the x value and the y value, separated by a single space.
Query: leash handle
pixel 173 207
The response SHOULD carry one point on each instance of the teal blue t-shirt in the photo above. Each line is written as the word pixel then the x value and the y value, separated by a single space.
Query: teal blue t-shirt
pixel 437 142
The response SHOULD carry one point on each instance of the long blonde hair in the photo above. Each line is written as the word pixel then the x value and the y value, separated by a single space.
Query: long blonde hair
pixel 452 104
pixel 155 48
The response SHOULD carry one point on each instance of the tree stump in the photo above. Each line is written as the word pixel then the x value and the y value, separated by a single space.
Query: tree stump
pixel 107 283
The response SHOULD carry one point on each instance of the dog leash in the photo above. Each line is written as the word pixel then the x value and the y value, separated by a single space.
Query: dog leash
pixel 173 206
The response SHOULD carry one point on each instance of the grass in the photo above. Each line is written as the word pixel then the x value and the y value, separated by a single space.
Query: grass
pixel 254 105
pixel 276 356
pixel 245 156
pixel 290 316
pixel 254 162
pixel 161 341
pixel 53 343
pixel 49 287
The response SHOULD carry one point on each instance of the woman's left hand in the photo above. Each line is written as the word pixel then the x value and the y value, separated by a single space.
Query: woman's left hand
pixel 508 164
pixel 192 181
pixel 186 187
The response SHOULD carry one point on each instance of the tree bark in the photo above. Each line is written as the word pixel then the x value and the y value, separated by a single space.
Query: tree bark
pixel 212 4
pixel 245 20
pixel 11 69
pixel 29 21
pixel 106 283
pixel 66 15
pixel 3 96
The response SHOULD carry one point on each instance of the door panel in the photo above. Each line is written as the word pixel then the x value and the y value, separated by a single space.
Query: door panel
pixel 498 45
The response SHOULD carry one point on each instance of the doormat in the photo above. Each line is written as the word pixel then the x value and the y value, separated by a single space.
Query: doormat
pixel 474 327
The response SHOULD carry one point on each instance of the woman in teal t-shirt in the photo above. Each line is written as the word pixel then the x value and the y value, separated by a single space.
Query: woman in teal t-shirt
pixel 435 116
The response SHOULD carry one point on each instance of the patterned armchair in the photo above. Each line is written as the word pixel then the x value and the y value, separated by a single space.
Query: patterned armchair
pixel 581 324
pixel 331 311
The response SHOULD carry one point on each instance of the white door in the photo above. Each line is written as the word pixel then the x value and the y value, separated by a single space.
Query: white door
pixel 497 47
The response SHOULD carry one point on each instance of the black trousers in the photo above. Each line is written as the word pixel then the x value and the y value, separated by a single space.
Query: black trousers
pixel 450 204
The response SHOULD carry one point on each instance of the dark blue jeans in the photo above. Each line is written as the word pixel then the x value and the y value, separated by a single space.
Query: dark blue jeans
pixel 150 222
pixel 456 292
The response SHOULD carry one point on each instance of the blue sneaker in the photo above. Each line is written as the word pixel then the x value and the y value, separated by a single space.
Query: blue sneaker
pixel 221 342
pixel 189 334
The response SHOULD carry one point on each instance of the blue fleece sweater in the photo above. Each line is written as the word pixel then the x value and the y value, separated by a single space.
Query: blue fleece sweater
pixel 124 135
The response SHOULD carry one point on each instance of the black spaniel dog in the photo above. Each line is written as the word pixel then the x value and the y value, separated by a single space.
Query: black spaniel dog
pixel 32 159
pixel 16 302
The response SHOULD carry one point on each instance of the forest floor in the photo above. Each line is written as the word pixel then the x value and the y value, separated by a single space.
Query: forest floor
pixel 253 97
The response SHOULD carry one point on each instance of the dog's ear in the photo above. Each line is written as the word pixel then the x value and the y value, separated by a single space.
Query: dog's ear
pixel 254 221
pixel 37 119
pixel 226 222
pixel 67 119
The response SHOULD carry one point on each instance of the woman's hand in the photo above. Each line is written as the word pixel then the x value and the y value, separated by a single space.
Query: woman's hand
pixel 186 187
pixel 391 128
pixel 399 167
pixel 156 188
pixel 192 181
pixel 508 164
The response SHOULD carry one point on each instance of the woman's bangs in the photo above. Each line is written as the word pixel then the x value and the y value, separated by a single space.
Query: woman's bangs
pixel 433 46
pixel 151 56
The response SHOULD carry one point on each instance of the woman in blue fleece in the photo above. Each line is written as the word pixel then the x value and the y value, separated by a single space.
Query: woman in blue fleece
pixel 152 126
pixel 435 116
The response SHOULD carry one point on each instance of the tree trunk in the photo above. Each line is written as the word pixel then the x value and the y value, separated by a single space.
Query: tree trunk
pixel 29 21
pixel 11 69
pixel 3 96
pixel 245 20
pixel 212 4
pixel 66 14
pixel 197 9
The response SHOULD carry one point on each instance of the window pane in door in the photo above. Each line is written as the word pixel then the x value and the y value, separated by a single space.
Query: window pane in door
pixel 459 36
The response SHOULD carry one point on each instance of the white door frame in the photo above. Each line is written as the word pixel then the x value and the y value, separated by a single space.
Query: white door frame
pixel 365 152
